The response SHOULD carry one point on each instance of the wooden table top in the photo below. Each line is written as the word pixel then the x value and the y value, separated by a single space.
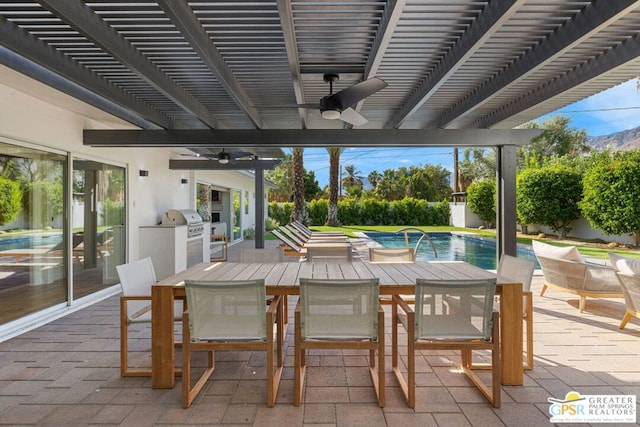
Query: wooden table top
pixel 284 277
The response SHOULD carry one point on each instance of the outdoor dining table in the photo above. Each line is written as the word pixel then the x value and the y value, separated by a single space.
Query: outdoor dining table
pixel 284 278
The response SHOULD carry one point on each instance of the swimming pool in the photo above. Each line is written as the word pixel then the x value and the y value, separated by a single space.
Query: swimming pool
pixel 30 241
pixel 476 250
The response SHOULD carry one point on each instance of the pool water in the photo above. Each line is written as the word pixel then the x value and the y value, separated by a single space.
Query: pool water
pixel 479 251
pixel 30 241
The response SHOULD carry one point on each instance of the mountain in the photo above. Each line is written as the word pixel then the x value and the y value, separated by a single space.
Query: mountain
pixel 624 140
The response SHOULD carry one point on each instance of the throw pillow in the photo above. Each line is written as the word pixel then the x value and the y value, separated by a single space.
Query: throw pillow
pixel 569 253
pixel 625 265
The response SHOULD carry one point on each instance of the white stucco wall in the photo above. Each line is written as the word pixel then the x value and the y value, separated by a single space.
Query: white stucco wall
pixel 461 216
pixel 582 230
pixel 34 115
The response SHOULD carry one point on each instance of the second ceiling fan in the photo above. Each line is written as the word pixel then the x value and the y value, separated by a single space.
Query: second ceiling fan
pixel 224 157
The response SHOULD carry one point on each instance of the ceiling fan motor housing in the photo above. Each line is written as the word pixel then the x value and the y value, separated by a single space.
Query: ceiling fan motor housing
pixel 329 108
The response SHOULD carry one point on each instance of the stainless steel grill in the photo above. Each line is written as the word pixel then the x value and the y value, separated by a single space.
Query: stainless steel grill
pixel 188 217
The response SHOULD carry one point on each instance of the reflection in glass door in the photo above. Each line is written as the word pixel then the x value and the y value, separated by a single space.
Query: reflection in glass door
pixel 98 218
pixel 237 218
pixel 32 229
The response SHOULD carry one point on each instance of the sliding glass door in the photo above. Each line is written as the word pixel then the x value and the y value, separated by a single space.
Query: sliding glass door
pixel 98 218
pixel 38 248
pixel 33 264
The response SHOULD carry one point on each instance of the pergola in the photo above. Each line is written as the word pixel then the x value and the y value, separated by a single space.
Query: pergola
pixel 207 76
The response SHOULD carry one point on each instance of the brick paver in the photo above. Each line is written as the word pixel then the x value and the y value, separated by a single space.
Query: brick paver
pixel 67 373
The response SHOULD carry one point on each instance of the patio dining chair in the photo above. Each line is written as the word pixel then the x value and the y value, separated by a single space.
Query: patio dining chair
pixel 261 255
pixel 136 279
pixel 434 325
pixel 391 255
pixel 230 315
pixel 339 314
pixel 512 269
pixel 266 255
pixel 219 242
pixel 329 254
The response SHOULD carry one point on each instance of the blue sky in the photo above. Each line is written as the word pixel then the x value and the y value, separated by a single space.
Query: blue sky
pixel 610 111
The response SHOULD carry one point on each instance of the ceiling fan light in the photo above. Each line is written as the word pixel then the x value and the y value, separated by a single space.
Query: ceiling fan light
pixel 223 158
pixel 331 114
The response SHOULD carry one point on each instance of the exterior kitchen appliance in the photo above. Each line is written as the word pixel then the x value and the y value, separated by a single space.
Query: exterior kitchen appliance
pixel 195 228
pixel 177 243
pixel 188 217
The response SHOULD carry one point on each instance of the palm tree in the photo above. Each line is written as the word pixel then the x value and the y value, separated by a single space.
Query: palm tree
pixel 353 182
pixel 299 212
pixel 334 168
pixel 373 178
pixel 353 178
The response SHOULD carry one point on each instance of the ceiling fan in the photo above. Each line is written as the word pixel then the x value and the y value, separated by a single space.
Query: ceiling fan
pixel 224 157
pixel 340 105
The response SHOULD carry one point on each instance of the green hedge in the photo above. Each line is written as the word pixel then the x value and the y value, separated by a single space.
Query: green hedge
pixel 408 211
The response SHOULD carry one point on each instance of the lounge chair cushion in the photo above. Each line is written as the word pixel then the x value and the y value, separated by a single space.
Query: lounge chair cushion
pixel 625 265
pixel 569 253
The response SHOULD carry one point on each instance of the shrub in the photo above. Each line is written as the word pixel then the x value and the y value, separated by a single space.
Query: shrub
pixel 611 193
pixel 349 212
pixel 10 200
pixel 549 196
pixel 481 199
pixel 280 212
pixel 318 210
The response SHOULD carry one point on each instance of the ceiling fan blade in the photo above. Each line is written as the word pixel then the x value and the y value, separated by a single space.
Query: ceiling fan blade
pixel 313 106
pixel 235 155
pixel 351 116
pixel 352 95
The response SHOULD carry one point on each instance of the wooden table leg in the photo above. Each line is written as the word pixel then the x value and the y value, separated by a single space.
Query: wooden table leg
pixel 511 334
pixel 162 337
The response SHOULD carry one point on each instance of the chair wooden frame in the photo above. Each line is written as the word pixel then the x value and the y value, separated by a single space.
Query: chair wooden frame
pixel 408 385
pixel 143 315
pixel 302 345
pixel 511 268
pixel 219 240
pixel 274 315
pixel 631 289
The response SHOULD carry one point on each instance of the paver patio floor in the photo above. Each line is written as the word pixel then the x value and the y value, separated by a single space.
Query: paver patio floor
pixel 66 373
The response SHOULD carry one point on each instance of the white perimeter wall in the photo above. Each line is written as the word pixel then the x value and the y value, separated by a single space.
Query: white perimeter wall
pixel 34 115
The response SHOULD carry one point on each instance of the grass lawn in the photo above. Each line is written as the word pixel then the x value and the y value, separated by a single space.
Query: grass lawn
pixel 588 249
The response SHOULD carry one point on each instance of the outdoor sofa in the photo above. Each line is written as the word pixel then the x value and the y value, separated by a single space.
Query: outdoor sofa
pixel 564 269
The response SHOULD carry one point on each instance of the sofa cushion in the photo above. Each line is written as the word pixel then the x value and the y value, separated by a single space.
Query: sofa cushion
pixel 624 264
pixel 569 253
